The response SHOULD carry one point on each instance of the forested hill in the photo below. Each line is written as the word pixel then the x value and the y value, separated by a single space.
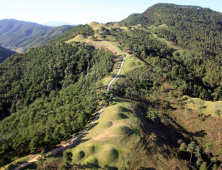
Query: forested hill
pixel 5 53
pixel 195 29
pixel 190 27
pixel 48 93
pixel 15 34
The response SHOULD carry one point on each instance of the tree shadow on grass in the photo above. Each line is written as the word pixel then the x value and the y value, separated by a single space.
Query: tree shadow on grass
pixel 31 166
pixel 121 76
pixel 168 132
pixel 94 166
pixel 143 168
pixel 16 165
pixel 88 166
pixel 117 101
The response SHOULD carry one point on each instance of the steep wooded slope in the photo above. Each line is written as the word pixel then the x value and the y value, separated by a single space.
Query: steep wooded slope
pixel 49 92
pixel 190 27
pixel 196 29
pixel 5 53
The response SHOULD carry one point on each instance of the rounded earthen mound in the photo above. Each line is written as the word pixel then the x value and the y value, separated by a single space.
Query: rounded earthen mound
pixel 108 154
pixel 120 130
pixel 116 116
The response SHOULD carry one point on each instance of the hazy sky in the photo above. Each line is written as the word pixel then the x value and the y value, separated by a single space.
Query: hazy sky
pixel 85 11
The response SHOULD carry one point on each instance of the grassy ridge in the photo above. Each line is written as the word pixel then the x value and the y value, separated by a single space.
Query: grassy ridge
pixel 110 139
pixel 206 107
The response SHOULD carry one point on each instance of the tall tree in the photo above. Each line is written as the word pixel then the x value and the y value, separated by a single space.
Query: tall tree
pixel 191 148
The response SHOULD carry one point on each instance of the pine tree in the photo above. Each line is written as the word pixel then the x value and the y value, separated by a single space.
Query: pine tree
pixel 191 148
pixel 203 166
pixel 213 159
pixel 182 147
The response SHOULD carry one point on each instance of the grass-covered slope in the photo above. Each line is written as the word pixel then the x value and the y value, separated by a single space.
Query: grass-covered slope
pixel 5 53
pixel 110 140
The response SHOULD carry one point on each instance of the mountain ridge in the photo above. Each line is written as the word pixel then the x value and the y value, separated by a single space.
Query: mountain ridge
pixel 17 35
pixel 57 23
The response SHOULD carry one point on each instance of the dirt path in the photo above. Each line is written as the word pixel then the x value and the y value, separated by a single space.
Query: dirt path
pixel 64 146
pixel 120 69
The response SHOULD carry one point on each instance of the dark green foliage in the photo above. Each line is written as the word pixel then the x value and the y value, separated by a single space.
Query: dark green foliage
pixel 203 166
pixel 5 53
pixel 151 114
pixel 217 112
pixel 49 93
pixel 189 72
pixel 134 19
pixel 67 155
pixel 196 29
pixel 135 85
pixel 191 148
pixel 190 27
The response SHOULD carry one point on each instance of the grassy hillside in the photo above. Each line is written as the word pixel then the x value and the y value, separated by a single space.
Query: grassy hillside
pixel 5 53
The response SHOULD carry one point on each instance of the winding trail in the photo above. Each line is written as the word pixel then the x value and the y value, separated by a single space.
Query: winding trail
pixel 119 71
pixel 64 146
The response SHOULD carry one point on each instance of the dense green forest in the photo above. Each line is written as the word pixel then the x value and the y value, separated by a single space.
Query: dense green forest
pixel 15 34
pixel 182 74
pixel 5 53
pixel 196 29
pixel 48 93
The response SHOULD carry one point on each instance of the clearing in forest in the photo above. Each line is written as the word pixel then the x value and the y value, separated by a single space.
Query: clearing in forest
pixel 206 107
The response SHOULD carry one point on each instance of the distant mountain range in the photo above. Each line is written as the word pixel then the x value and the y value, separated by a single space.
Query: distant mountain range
pixel 21 35
pixel 57 23
pixel 14 32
